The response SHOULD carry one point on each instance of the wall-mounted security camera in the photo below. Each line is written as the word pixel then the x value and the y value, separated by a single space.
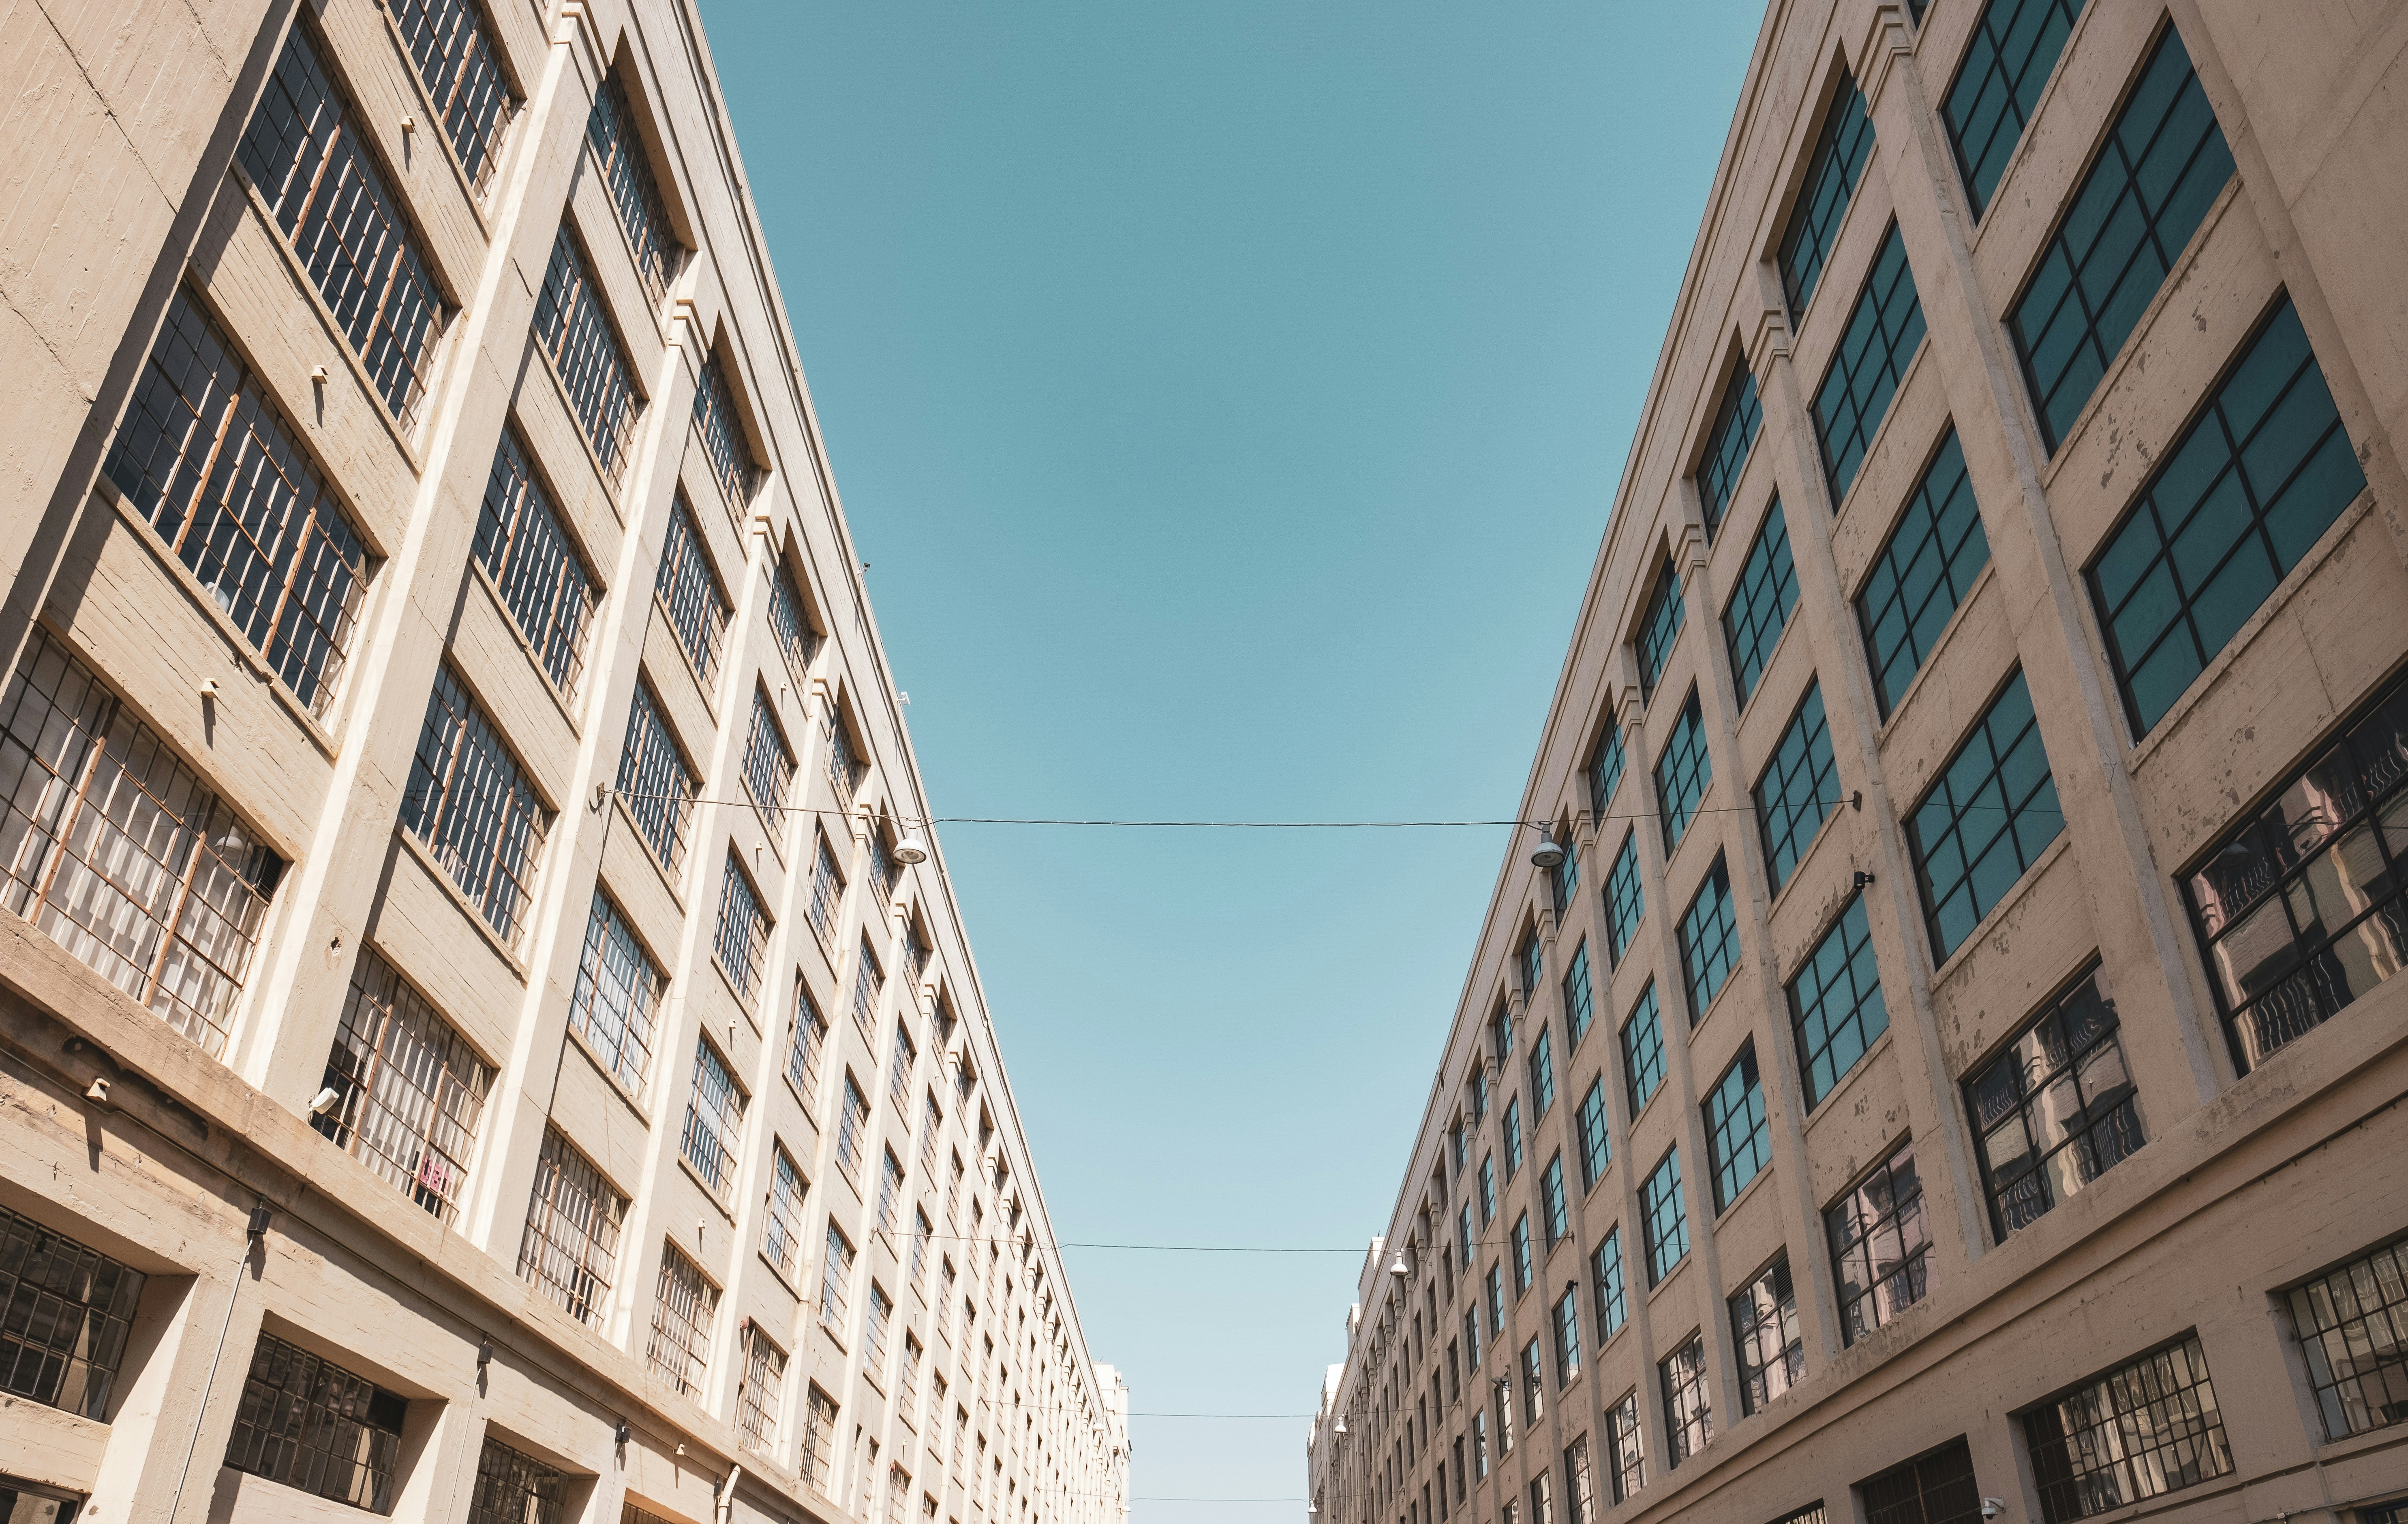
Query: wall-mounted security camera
pixel 1993 1507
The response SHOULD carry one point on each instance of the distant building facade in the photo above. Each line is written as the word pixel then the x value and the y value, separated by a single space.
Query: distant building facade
pixel 1955 1072
pixel 478 1039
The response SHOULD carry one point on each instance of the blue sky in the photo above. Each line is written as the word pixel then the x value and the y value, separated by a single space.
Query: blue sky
pixel 1228 400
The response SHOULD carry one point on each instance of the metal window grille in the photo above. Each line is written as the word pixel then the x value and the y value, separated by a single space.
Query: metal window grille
pixel 819 1437
pixel 1589 1127
pixel 827 889
pixel 1580 1001
pixel 1764 1329
pixel 1580 1486
pixel 680 1348
pixel 899 1495
pixel 1664 1219
pixel 782 1240
pixel 571 1241
pixel 1883 333
pixel 1922 573
pixel 725 448
pixel 916 951
pixel 2138 1431
pixel 807 1041
pixel 1842 150
pixel 626 169
pixel 323 185
pixel 1937 1489
pixel 882 866
pixel 868 982
pixel 1553 1217
pixel 2007 62
pixel 654 782
pixel 689 593
pixel 211 463
pixel 908 1381
pixel 1881 1241
pixel 1643 1048
pixel 410 1088
pixel 1738 1139
pixel 575 333
pixel 308 1423
pixel 1836 1005
pixel 1605 1275
pixel 515 1488
pixel 714 1118
pixel 2235 505
pixel 1709 937
pixel 853 1130
pixel 119 853
pixel 2057 1107
pixel 1688 1415
pixel 954 1198
pixel 619 987
pixel 1567 1330
pixel 475 808
pixel 1683 772
pixel 921 1229
pixel 1759 609
pixel 1605 768
pixel 71 1309
pixel 1727 442
pixel 2162 165
pixel 535 564
pixel 845 768
pixel 836 1276
pixel 931 1120
pixel 1985 822
pixel 456 61
pixel 2352 1324
pixel 756 1397
pixel 1798 788
pixel 1624 901
pixel 1659 629
pixel 882 1310
pixel 743 936
pixel 1629 1445
pixel 790 625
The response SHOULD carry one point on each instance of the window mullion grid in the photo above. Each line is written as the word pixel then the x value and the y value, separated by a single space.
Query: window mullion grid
pixel 204 811
pixel 207 477
pixel 78 799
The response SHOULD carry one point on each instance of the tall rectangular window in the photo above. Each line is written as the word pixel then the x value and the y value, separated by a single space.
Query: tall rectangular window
pixel 1759 610
pixel 1580 1486
pixel 1534 1385
pixel 2232 509
pixel 1985 822
pixel 1552 1211
pixel 1567 1332
pixel 690 594
pixel 626 169
pixel 575 333
pixel 806 1041
pixel 1880 1242
pixel 756 1395
pixel 1606 762
pixel 2163 165
pixel 2136 1433
pixel 873 1335
pixel 868 982
pixel 818 1439
pixel 1625 902
pixel 890 1190
pixel 1523 1267
pixel 1496 1303
pixel 323 185
pixel 714 1119
pixel 2299 907
pixel 71 1310
pixel 679 1347
pixel 1771 1347
pixel 827 889
pixel 2057 1107
pixel 1922 573
pixel 1709 937
pixel 515 1488
pixel 725 448
pixel 308 1424
pixel 1683 772
pixel 782 1240
pixel 1870 363
pixel 475 807
pixel 1588 1124
pixel 1937 1489
pixel 790 628
pixel 1642 1049
pixel 2349 1322
pixel 743 932
pixel 534 564
pixel 1543 1078
pixel 1688 1413
pixel 655 783
pixel 845 768
pixel 456 61
pixel 1663 1217
pixel 1580 1003
pixel 853 1130
pixel 1630 1448
pixel 836 1279
pixel 1488 1190
pixel 1738 1140
pixel 120 853
pixel 1563 880
pixel 1798 788
pixel 409 1088
pixel 1605 1278
pixel 769 762
pixel 618 988
pixel 1835 1003
pixel 208 459
pixel 1842 150
pixel 1659 629
pixel 571 1241
pixel 1727 442
pixel 2006 64
pixel 1510 1135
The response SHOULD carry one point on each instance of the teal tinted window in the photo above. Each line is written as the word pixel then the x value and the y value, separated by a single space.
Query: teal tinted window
pixel 1683 772
pixel 1735 427
pixel 1579 1007
pixel 1881 337
pixel 1642 1049
pixel 1922 574
pixel 1709 939
pixel 1759 610
pixel 1835 1004
pixel 1588 1123
pixel 1798 787
pixel 1738 1142
pixel 1605 1271
pixel 1553 1217
pixel 1605 765
pixel 2261 474
pixel 2164 162
pixel 1657 629
pixel 1622 901
pixel 1543 1078
pixel 1839 162
pixel 2014 48
pixel 1666 1222
pixel 1985 821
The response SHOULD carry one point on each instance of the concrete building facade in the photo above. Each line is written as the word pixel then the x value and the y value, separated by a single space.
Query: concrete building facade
pixel 1954 1071
pixel 482 1035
